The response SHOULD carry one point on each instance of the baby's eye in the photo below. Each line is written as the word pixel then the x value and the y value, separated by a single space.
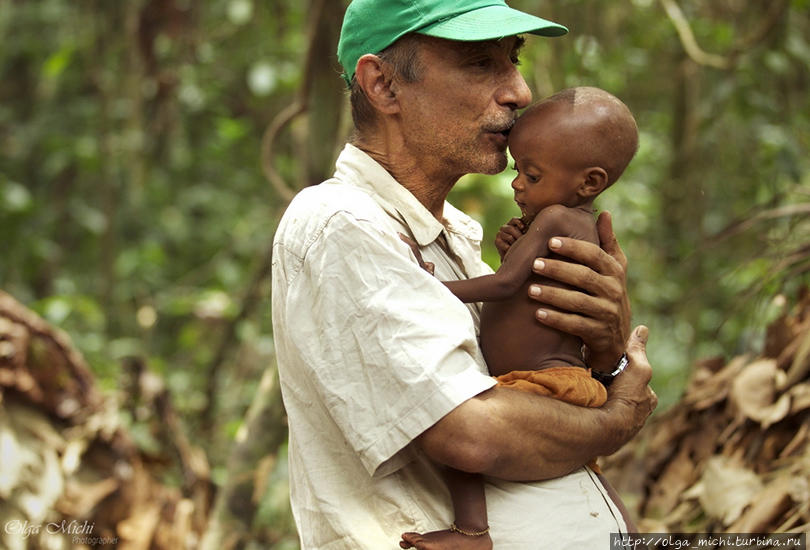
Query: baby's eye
pixel 515 168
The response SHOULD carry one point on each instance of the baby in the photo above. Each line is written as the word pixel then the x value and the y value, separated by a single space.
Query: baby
pixel 567 150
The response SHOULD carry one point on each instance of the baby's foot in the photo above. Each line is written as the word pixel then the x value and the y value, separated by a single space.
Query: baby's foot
pixel 445 540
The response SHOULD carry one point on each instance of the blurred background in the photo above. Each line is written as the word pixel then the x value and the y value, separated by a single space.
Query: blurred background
pixel 149 147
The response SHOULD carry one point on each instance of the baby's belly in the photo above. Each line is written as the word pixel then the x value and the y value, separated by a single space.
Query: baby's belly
pixel 513 339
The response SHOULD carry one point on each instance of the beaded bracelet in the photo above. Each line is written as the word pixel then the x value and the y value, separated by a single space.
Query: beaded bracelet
pixel 454 528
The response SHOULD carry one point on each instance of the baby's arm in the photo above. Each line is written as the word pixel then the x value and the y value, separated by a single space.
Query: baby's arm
pixel 556 220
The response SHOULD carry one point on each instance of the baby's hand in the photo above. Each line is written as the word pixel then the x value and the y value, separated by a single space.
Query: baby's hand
pixel 427 266
pixel 508 234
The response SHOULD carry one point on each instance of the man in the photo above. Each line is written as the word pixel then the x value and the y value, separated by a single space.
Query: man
pixel 379 364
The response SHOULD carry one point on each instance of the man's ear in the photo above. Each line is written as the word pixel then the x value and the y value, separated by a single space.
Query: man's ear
pixel 375 77
pixel 594 181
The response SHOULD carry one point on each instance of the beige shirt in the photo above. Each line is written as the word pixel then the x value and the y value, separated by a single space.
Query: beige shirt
pixel 372 350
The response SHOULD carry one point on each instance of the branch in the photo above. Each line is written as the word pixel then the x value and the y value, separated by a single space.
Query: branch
pixel 688 40
pixel 775 12
pixel 299 106
pixel 282 119
pixel 750 221
pixel 250 300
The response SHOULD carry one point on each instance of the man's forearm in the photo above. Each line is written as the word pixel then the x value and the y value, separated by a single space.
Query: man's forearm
pixel 520 436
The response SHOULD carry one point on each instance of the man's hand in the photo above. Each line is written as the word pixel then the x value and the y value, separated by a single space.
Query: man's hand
pixel 597 309
pixel 508 234
pixel 630 398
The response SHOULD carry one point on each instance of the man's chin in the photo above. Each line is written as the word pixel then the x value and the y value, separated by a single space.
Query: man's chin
pixel 496 166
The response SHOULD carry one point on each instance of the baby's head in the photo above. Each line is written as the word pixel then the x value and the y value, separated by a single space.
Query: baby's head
pixel 570 147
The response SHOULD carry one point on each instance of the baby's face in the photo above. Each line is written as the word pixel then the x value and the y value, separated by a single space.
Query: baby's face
pixel 544 174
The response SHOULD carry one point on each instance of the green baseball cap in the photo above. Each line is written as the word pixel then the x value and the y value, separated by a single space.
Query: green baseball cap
pixel 370 26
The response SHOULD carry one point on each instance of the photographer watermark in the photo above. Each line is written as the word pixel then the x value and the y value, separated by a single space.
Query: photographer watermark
pixel 81 532
pixel 695 541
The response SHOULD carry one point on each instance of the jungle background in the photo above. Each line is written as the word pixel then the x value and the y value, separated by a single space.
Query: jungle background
pixel 148 149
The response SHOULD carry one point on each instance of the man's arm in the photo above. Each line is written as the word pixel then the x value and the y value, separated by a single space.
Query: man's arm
pixel 519 436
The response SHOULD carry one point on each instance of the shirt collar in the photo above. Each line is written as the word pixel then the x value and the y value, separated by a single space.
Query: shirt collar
pixel 357 167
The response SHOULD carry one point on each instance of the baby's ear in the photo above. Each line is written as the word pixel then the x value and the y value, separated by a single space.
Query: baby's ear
pixel 594 181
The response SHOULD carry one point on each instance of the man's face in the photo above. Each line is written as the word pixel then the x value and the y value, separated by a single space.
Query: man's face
pixel 457 116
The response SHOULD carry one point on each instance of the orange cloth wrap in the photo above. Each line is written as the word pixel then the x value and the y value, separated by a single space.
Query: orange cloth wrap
pixel 570 384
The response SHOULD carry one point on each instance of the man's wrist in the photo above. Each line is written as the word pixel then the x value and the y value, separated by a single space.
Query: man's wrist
pixel 607 377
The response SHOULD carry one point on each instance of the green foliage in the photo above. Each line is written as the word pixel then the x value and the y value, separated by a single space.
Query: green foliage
pixel 132 205
pixel 134 213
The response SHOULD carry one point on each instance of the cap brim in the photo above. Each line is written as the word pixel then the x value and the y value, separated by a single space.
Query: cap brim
pixel 491 22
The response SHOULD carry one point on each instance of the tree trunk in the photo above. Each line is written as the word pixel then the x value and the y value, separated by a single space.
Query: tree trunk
pixel 264 429
pixel 255 453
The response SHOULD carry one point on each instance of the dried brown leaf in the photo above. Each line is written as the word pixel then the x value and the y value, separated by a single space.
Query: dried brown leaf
pixel 727 488
pixel 713 388
pixel 138 530
pixel 768 506
pixel 678 474
pixel 799 397
pixel 754 393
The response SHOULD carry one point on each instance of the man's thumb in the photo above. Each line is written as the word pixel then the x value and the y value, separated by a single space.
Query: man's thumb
pixel 638 339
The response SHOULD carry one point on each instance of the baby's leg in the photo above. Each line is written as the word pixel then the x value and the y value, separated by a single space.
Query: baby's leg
pixel 470 530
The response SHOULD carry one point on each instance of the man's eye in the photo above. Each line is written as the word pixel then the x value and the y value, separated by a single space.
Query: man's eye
pixel 482 62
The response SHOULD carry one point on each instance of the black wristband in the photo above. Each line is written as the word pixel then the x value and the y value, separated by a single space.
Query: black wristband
pixel 606 378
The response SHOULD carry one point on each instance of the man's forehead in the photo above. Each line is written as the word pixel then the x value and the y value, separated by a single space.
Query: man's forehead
pixel 511 44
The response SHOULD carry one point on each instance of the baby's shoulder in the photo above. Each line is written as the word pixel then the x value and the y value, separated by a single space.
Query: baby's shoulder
pixel 562 221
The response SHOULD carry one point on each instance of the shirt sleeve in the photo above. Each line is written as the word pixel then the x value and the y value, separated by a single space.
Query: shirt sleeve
pixel 391 349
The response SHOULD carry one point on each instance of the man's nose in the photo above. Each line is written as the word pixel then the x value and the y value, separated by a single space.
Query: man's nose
pixel 514 92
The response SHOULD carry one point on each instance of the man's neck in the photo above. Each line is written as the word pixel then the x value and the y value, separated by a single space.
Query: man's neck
pixel 430 189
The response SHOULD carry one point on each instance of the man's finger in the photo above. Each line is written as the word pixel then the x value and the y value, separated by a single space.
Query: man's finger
pixel 573 301
pixel 607 238
pixel 586 253
pixel 574 275
pixel 637 343
pixel 637 352
pixel 638 372
pixel 570 323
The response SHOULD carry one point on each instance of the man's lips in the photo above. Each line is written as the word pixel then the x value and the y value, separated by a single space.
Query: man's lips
pixel 501 130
